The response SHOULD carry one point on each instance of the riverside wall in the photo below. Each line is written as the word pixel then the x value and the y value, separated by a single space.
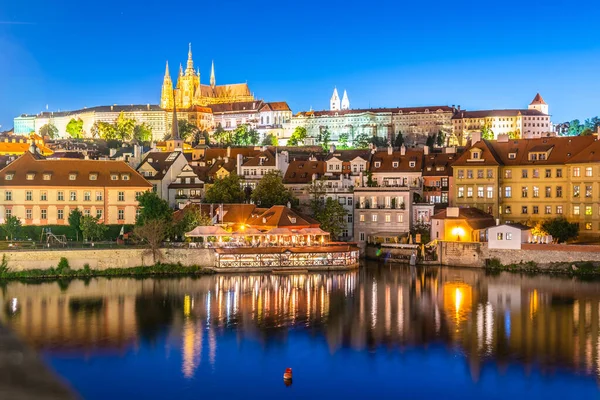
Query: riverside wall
pixel 102 259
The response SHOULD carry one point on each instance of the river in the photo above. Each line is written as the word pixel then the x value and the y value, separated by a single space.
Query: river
pixel 383 331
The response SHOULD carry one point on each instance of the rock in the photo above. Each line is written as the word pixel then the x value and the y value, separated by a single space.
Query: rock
pixel 574 267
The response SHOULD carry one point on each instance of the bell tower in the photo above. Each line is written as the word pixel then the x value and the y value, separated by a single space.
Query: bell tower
pixel 334 103
pixel 166 96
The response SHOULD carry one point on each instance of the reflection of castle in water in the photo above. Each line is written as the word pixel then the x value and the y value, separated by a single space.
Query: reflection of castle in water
pixel 545 321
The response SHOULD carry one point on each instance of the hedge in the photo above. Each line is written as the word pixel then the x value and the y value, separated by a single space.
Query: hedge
pixel 34 232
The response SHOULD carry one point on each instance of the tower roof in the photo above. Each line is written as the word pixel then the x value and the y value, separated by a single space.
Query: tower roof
pixel 213 80
pixel 335 94
pixel 538 99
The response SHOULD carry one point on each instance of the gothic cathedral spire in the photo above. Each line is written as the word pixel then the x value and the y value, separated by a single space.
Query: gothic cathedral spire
pixel 213 81
pixel 345 101
pixel 189 70
pixel 334 103
pixel 175 143
pixel 166 96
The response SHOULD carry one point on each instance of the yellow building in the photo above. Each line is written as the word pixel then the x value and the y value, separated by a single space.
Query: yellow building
pixel 15 146
pixel 532 180
pixel 44 192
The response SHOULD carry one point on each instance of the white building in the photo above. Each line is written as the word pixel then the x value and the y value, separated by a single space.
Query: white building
pixel 508 236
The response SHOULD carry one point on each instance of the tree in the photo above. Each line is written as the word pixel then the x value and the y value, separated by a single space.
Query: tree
pixel 561 229
pixel 486 132
pixel 343 141
pixel 377 141
pixel 75 128
pixel 324 139
pixel 192 217
pixel 152 233
pixel 12 226
pixel 430 141
pixel 107 131
pixel 91 228
pixel 270 191
pixel 586 132
pixel 423 229
pixel 187 130
pixel 142 133
pixel 575 128
pixel 49 130
pixel 75 221
pixel 514 134
pixel 298 136
pixel 124 127
pixel 153 207
pixel 332 217
pixel 440 139
pixel 399 141
pixel 270 140
pixel 362 141
pixel 226 190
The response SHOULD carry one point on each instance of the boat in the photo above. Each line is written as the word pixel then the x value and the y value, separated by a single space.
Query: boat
pixel 287 375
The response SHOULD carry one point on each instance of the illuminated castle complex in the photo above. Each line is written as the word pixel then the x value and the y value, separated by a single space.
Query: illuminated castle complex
pixel 190 92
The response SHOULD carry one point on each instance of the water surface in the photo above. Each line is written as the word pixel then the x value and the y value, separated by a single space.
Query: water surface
pixel 384 331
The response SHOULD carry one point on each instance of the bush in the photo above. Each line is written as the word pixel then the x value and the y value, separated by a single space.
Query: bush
pixel 34 232
pixel 63 267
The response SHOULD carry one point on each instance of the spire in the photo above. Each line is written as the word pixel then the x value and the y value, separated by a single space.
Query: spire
pixel 213 81
pixel 538 99
pixel 189 70
pixel 345 101
pixel 180 69
pixel 334 103
pixel 167 70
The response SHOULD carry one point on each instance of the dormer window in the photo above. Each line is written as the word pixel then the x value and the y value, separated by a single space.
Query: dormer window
pixel 47 176
pixel 125 177
pixel 114 177
pixel 412 164
pixel 293 220
pixel 30 176
pixel 395 164
pixel 512 156
pixel 475 155
pixel 9 177
pixel 72 176
pixel 93 177
pixel 377 164
pixel 439 168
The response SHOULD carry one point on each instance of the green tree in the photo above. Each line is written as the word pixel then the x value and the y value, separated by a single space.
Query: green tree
pixel 153 207
pixel 221 136
pixel 91 228
pixel 12 226
pixel 75 128
pixel 192 217
pixel 124 127
pixel 270 140
pixel 187 130
pixel 75 221
pixel 152 233
pixel 142 133
pixel 586 132
pixel 343 141
pixel 325 139
pixel 332 217
pixel 226 190
pixel 575 128
pixel 362 141
pixel 107 131
pixel 297 137
pixel 379 141
pixel 514 134
pixel 440 139
pixel 271 191
pixel 561 229
pixel 430 141
pixel 49 130
pixel 486 132
pixel 399 141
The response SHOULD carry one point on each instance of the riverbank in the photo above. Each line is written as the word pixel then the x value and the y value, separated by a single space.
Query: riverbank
pixel 577 268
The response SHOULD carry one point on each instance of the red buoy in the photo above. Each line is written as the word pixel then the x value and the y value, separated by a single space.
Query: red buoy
pixel 287 375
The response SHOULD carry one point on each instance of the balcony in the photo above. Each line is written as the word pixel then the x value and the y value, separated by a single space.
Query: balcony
pixel 367 206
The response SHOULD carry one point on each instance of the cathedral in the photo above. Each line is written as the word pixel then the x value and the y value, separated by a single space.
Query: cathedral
pixel 190 92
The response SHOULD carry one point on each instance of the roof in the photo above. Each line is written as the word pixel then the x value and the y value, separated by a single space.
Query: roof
pixel 590 153
pixel 514 225
pixel 281 217
pixel 302 171
pixel 497 113
pixel 433 161
pixel 250 106
pixel 397 110
pixel 161 161
pixel 61 172
pixel 474 217
pixel 488 156
pixel 232 90
pixel 264 159
pixel 559 149
pixel 387 161
pixel 216 152
pixel 276 106
pixel 538 99
pixel 348 155
pixel 114 108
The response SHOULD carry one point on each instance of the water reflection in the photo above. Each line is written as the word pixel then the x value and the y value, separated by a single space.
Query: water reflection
pixel 549 322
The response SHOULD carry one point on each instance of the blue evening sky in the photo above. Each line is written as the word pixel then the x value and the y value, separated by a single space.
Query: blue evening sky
pixel 479 54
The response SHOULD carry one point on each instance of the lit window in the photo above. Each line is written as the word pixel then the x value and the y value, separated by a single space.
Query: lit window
pixel 469 192
pixel 8 195
pixel 588 191
pixel 72 177
pixel 60 214
pixel 575 190
pixel 548 209
pixel 576 171
pixel 461 192
pixel 374 217
pixel 559 209
pixel 576 210
pixel 588 171
pixel 536 191
pixel 125 177
pixel 588 210
pixel 507 192
pixel 508 236
pixel 43 196
pixel 93 177
pixel 388 218
pixel 114 177
pixel 362 218
pixel 490 192
pixel 30 176
pixel 73 196
pixel 499 236
pixel 508 174
pixel 87 196
pixel 47 177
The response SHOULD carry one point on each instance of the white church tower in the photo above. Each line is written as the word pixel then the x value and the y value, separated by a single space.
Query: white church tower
pixel 334 103
pixel 539 104
pixel 345 101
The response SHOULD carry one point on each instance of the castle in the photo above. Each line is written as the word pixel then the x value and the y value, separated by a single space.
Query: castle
pixel 190 92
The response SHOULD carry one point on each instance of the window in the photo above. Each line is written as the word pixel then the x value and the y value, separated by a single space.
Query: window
pixel 507 210
pixel 349 201
pixel 524 210
pixel 28 195
pixel 490 192
pixel 524 191
pixel 7 213
pixel 559 209
pixel 461 192
pixel 548 173
pixel 524 173
pixel 461 174
pixel 480 192
pixel 73 196
pixel 507 192
pixel 44 196
pixel 559 172
pixel 8 195
pixel 575 190
pixel 125 177
pixel 98 196
pixel 536 191
pixel 350 218
pixel 588 226
pixel 588 190
pixel 577 172
pixel 93 177
pixel 559 191
pixel 60 196
pixel 121 215
pixel 469 174
pixel 361 218
pixel 499 236
pixel 588 210
pixel 44 214
pixel 508 174
pixel 60 214
pixel 469 192
pixel 28 214
pixel 47 177
pixel 536 173
pixel 548 210
pixel 388 218
pixel 99 213
pixel 121 197
pixel 86 212
pixel 480 174
pixel 490 173
pixel 588 171
pixel 87 196
pixel 508 236
pixel 548 191
pixel 154 187
pixel 377 164
pixel 374 217
pixel 362 236
pixel 535 210
pixel 72 176
pixel 400 218
pixel 9 177
pixel 114 177
pixel 576 210
pixel 30 177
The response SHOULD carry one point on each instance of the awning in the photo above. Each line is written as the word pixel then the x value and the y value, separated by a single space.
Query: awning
pixel 201 231
pixel 280 232
pixel 312 231
pixel 248 232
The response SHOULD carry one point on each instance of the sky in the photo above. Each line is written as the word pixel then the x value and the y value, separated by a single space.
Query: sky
pixel 70 54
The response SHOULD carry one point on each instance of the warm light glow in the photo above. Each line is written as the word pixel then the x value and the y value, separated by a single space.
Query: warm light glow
pixel 458 232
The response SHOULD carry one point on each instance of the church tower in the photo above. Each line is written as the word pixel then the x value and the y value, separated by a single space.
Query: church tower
pixel 166 96
pixel 189 82
pixel 539 104
pixel 345 101
pixel 175 143
pixel 213 81
pixel 334 103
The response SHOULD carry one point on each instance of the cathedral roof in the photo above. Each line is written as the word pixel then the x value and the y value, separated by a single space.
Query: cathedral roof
pixel 276 106
pixel 223 91
pixel 236 107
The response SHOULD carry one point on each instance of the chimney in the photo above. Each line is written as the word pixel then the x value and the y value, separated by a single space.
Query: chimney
pixel 332 148
pixel 426 150
pixel 390 150
pixel 403 150
pixel 452 212
pixel 148 105
pixel 502 138
pixel 240 161
pixel 458 107
pixel 112 152
pixel 228 151
pixel 475 137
